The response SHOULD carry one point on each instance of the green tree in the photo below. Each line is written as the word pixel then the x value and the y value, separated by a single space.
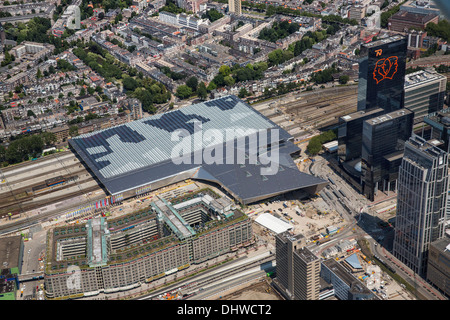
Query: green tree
pixel 202 91
pixel 145 97
pixel 2 153
pixel 48 138
pixel 275 57
pixel 229 81
pixel 91 90
pixel 225 70
pixel 192 83
pixel 73 131
pixel 441 29
pixel 314 146
pixel 344 79
pixel 211 86
pixel 130 84
pixel 212 15
pixel 184 91
pixel 118 18
pixel 242 93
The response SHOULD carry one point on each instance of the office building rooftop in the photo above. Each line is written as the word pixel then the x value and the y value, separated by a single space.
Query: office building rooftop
pixel 420 78
pixel 10 252
pixel 388 116
pixel 383 41
pixel 360 114
pixel 306 255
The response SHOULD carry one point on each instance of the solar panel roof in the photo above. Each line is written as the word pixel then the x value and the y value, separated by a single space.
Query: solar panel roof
pixel 148 141
pixel 140 152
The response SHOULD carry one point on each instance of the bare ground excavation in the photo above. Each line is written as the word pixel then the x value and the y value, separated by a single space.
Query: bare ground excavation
pixel 257 291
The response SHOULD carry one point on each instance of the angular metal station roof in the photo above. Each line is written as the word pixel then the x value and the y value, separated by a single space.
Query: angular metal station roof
pixel 141 152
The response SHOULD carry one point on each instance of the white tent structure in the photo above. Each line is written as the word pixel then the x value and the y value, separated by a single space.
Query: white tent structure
pixel 272 223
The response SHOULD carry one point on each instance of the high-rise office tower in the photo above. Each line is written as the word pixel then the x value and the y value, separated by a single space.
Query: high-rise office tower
pixel 234 6
pixel 383 140
pixel 382 74
pixel 421 202
pixel 298 269
pixel 439 128
pixel 350 133
pixel 424 93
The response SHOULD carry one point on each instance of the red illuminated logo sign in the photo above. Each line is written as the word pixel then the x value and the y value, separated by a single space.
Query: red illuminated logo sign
pixel 385 69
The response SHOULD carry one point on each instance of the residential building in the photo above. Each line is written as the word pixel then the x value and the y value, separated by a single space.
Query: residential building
pixel 421 202
pixel 133 107
pixel 209 28
pixel 383 140
pixel 69 19
pixel 181 19
pixel 191 5
pixel 235 7
pixel 382 74
pixel 357 12
pixel 416 38
pixel 298 269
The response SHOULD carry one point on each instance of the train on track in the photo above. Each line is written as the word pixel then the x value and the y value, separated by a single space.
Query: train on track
pixel 51 184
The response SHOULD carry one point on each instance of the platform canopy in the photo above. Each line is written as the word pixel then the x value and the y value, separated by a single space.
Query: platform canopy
pixel 273 223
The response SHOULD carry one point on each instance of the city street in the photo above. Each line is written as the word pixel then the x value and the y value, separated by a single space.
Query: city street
pixel 364 222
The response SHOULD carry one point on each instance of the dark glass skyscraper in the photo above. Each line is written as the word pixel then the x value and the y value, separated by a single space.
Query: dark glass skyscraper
pixel 383 143
pixel 350 133
pixel 382 74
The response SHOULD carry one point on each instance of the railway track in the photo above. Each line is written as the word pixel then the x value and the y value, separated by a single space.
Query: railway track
pixel 76 167
pixel 318 106
pixel 29 186
pixel 20 206
pixel 42 217
pixel 195 283
pixel 321 113
pixel 19 199
pixel 27 164
pixel 24 187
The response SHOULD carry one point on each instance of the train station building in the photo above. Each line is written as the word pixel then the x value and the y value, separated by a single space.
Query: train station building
pixel 222 141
